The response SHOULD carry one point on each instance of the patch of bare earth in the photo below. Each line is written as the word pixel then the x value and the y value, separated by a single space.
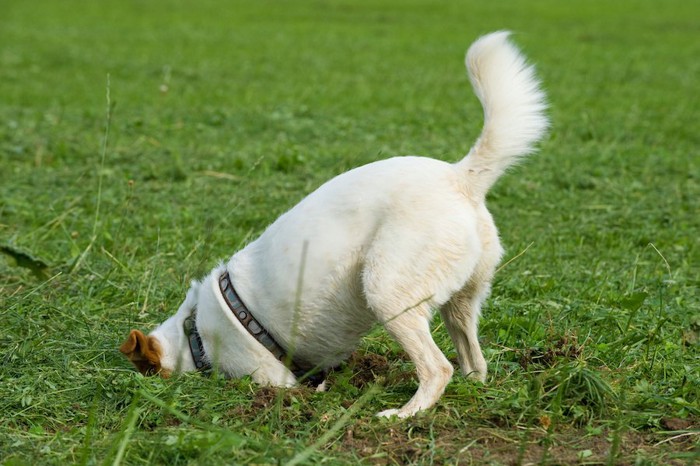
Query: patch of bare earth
pixel 418 441
pixel 572 446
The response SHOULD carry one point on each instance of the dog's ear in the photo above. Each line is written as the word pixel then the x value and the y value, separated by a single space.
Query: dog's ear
pixel 143 351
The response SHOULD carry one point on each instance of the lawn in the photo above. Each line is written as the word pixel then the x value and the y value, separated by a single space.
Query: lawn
pixel 141 142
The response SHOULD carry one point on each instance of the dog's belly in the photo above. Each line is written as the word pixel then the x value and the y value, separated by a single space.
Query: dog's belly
pixel 328 326
pixel 308 294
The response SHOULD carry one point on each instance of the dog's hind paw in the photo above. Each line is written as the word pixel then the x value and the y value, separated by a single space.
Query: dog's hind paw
pixel 477 376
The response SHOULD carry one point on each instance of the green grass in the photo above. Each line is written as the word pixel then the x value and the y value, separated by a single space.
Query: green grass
pixel 222 115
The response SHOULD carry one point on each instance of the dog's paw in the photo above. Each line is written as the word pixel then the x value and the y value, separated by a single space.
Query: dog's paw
pixel 477 376
pixel 400 413
pixel 388 413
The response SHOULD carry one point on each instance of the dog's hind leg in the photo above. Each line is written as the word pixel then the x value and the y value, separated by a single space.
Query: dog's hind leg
pixel 408 271
pixel 461 313
pixel 461 317
pixel 412 331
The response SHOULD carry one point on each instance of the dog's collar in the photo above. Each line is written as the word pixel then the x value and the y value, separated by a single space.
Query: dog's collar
pixel 245 317
pixel 195 341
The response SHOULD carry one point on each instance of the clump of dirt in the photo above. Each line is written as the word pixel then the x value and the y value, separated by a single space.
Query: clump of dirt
pixel 266 397
pixel 674 423
pixel 564 348
pixel 366 367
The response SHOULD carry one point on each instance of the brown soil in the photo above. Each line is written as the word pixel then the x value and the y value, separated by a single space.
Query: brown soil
pixel 564 348
pixel 413 442
pixel 366 368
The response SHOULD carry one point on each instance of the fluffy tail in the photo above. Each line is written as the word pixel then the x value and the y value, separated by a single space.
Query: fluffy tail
pixel 514 107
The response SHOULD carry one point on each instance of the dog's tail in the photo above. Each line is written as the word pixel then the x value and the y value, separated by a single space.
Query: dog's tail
pixel 514 106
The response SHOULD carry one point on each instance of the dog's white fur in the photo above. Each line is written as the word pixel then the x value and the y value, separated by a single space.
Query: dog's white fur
pixel 388 242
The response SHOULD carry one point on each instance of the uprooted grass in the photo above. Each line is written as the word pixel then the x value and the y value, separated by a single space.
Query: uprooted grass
pixel 222 118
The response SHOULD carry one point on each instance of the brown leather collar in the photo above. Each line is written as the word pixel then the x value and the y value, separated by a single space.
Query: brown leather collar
pixel 245 317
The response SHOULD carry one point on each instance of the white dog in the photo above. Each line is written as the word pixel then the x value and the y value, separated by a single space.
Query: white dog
pixel 389 241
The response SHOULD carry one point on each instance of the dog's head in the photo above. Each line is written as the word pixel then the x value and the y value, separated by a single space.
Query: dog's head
pixel 145 352
pixel 166 350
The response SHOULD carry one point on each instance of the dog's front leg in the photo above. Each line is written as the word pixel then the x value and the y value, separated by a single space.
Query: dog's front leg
pixel 274 374
pixel 412 331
